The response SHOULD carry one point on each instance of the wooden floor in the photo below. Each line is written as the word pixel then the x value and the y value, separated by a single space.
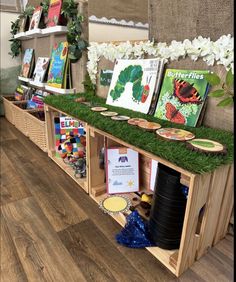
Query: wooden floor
pixel 51 230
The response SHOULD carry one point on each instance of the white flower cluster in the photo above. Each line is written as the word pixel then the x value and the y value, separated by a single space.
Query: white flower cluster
pixel 220 51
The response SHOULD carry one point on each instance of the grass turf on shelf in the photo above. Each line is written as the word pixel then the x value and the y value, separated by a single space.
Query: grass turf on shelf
pixel 175 152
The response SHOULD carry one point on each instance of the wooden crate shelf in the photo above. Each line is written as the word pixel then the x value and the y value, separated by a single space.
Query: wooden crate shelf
pixel 210 193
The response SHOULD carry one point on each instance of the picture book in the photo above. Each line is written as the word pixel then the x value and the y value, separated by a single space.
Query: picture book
pixel 57 74
pixel 157 88
pixel 36 100
pixel 122 170
pixel 133 83
pixel 54 13
pixel 182 96
pixel 66 127
pixel 40 69
pixel 35 20
pixel 27 63
pixel 19 93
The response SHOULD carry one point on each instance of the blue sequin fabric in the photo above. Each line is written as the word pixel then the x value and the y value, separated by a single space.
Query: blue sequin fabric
pixel 135 233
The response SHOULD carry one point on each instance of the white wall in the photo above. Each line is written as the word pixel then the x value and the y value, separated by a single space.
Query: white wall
pixel 104 32
pixel 5 23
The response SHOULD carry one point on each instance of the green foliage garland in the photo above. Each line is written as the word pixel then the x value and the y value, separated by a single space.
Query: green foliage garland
pixel 175 152
pixel 76 44
pixel 89 87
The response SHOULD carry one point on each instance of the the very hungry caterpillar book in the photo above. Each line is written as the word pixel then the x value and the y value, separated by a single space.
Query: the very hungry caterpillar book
pixel 133 84
pixel 183 94
pixel 58 69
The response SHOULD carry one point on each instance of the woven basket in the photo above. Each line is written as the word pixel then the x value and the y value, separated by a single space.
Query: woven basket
pixel 36 128
pixel 8 103
pixel 19 112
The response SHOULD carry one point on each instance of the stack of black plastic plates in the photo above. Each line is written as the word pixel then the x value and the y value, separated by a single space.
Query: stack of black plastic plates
pixel 168 209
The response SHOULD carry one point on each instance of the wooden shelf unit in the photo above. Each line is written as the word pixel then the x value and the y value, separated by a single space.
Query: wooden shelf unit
pixel 50 114
pixel 211 191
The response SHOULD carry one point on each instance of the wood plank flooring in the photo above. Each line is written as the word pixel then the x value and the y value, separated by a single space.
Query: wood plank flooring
pixel 51 230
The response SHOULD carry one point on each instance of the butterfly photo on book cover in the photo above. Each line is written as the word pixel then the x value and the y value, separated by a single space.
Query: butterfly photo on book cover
pixel 186 92
pixel 173 114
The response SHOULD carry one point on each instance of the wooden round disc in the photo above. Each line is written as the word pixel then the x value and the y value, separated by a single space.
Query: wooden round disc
pixel 109 114
pixel 120 118
pixel 80 99
pixel 98 109
pixel 114 204
pixel 206 146
pixel 136 121
pixel 150 126
pixel 175 134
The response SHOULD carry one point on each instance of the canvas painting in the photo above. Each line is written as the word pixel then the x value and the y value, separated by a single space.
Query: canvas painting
pixel 183 93
pixel 133 84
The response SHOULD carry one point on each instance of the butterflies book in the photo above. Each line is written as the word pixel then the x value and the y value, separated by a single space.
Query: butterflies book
pixel 133 83
pixel 59 66
pixel 27 63
pixel 54 13
pixel 34 23
pixel 182 96
pixel 40 69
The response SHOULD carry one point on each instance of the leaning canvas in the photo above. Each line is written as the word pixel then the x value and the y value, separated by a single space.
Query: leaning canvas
pixel 133 84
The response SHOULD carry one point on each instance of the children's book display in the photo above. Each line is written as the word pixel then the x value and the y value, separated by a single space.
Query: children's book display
pixel 23 92
pixel 27 63
pixel 133 84
pixel 182 96
pixel 71 143
pixel 122 170
pixel 54 13
pixel 36 101
pixel 59 69
pixel 40 69
pixel 35 20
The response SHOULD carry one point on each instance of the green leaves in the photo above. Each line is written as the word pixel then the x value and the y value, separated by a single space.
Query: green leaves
pixel 15 47
pixel 226 102
pixel 229 78
pixel 212 78
pixel 225 90
pixel 217 93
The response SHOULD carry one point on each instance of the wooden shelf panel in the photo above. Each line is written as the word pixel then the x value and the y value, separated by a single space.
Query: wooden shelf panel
pixel 83 183
pixel 162 255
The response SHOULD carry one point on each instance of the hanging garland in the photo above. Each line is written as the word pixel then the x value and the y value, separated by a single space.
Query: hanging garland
pixel 220 52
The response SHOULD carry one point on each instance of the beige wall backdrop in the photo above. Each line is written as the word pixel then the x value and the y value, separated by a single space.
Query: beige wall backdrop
pixel 5 22
pixel 106 32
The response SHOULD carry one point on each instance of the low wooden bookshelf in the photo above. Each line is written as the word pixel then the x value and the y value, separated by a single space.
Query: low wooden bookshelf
pixel 211 191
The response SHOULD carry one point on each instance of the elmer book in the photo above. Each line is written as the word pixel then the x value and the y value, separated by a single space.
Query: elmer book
pixel 57 74
pixel 182 96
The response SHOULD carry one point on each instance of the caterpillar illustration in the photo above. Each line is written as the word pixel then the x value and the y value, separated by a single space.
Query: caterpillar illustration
pixel 133 74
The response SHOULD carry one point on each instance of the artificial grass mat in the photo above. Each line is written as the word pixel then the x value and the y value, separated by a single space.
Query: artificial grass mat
pixel 175 152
